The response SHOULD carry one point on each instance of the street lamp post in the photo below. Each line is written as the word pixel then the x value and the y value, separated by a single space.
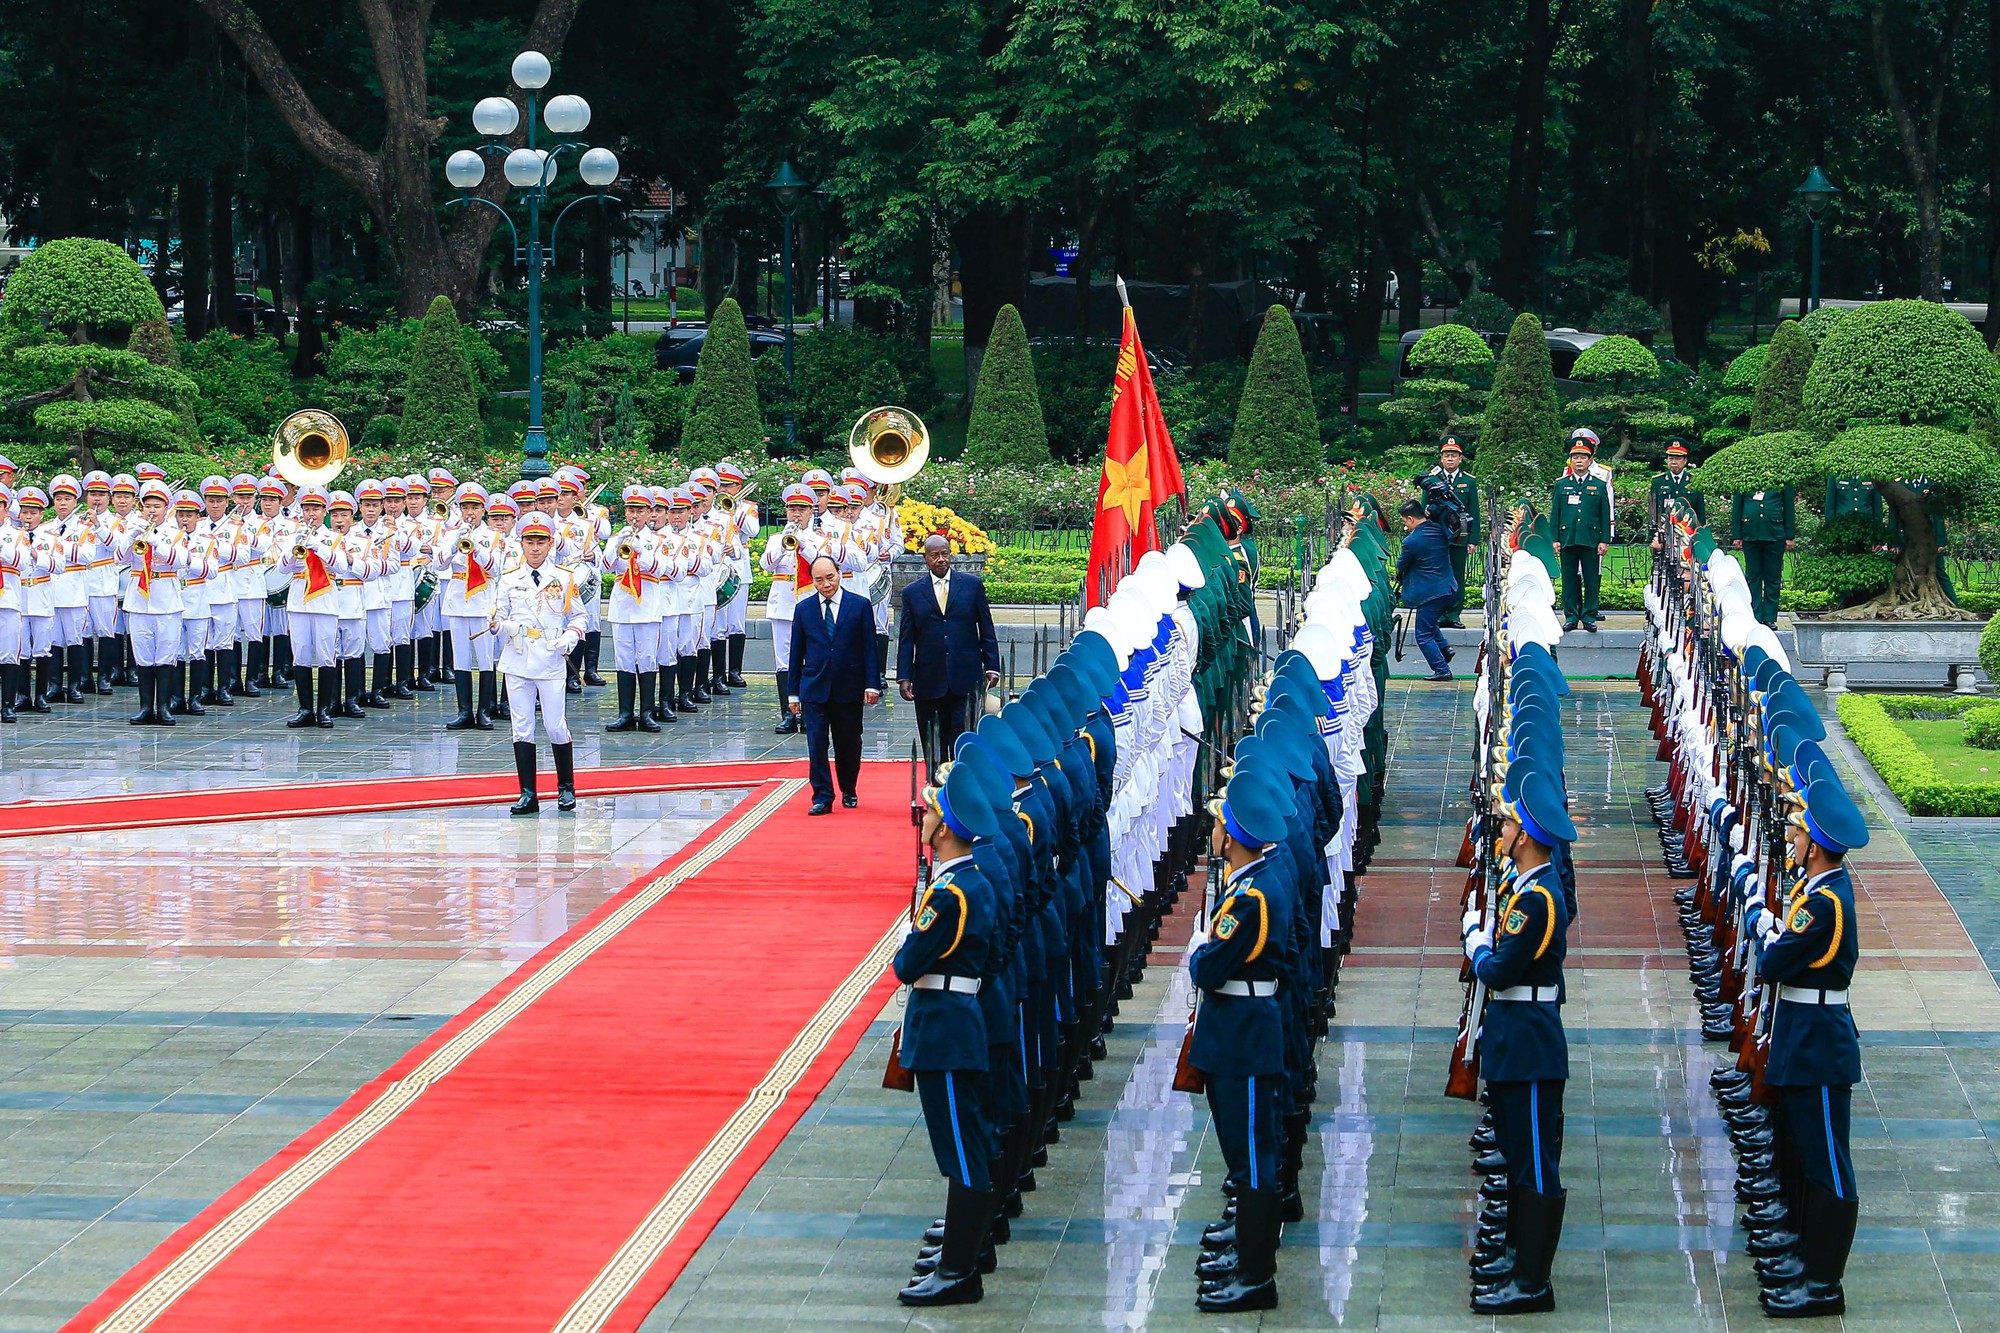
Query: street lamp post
pixel 532 170
pixel 1816 193
pixel 787 188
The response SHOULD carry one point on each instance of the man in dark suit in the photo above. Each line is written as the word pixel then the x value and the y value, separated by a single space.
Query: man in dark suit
pixel 1423 567
pixel 948 648
pixel 834 673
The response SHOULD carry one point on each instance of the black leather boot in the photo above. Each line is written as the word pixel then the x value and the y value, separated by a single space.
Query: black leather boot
pixel 36 698
pixel 329 694
pixel 501 711
pixel 187 678
pixel 695 677
pixel 565 776
pixel 215 677
pixel 403 682
pixel 427 672
pixel 461 681
pixel 735 679
pixel 592 644
pixel 128 673
pixel 1254 1283
pixel 647 717
pixel 482 716
pixel 372 697
pixel 684 700
pixel 524 768
pixel 718 658
pixel 354 681
pixel 302 681
pixel 955 1280
pixel 77 659
pixel 142 718
pixel 249 664
pixel 1826 1234
pixel 1536 1228
pixel 573 671
pixel 663 696
pixel 787 724
pixel 628 685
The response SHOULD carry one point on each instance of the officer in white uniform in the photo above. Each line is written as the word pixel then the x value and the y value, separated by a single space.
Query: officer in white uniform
pixel 200 575
pixel 311 618
pixel 640 566
pixel 539 617
pixel 732 618
pixel 467 565
pixel 787 551
pixel 76 543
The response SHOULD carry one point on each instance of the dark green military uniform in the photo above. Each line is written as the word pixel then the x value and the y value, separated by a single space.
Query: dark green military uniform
pixel 1465 487
pixel 1580 516
pixel 1847 497
pixel 1673 486
pixel 1763 521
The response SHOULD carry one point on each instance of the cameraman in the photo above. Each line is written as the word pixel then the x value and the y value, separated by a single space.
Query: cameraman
pixel 1423 568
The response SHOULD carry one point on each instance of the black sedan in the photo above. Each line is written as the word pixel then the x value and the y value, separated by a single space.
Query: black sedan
pixel 679 350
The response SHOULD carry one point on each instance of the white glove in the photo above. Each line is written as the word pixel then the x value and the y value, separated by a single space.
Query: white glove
pixel 1196 940
pixel 1477 940
pixel 1470 922
pixel 567 644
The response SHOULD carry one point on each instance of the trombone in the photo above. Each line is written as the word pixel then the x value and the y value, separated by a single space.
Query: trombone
pixel 727 503
pixel 889 446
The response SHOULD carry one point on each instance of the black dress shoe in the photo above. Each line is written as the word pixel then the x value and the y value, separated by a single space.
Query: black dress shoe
pixel 941 1289
pixel 1235 1295
pixel 850 801
pixel 821 808
pixel 787 726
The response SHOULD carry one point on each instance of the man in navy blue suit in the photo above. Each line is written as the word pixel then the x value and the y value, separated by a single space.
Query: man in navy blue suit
pixel 835 673
pixel 1423 567
pixel 948 649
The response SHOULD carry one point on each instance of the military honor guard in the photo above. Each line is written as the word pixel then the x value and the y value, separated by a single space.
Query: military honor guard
pixel 151 546
pixel 1464 488
pixel 1763 525
pixel 1580 518
pixel 468 562
pixel 1671 485
pixel 538 615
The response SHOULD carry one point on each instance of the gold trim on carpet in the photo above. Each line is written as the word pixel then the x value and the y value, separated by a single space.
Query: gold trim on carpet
pixel 152 1300
pixel 614 1285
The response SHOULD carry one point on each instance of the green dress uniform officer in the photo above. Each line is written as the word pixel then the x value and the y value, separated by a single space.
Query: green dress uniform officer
pixel 1580 514
pixel 1815 1055
pixel 1673 485
pixel 1764 525
pixel 1239 1031
pixel 1849 497
pixel 1523 1050
pixel 1465 487
pixel 944 960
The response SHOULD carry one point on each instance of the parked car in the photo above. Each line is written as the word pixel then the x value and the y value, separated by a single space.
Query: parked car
pixel 1161 360
pixel 1565 346
pixel 250 309
pixel 679 350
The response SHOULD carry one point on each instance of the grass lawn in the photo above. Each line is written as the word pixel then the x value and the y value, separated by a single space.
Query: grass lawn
pixel 1942 741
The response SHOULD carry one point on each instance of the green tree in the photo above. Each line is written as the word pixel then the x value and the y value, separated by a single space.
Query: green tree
pixel 1007 426
pixel 440 400
pixel 154 340
pixel 1741 377
pixel 249 379
pixel 92 398
pixel 722 418
pixel 1781 380
pixel 1816 324
pixel 1277 425
pixel 78 286
pixel 1520 435
pixel 1897 385
pixel 1629 415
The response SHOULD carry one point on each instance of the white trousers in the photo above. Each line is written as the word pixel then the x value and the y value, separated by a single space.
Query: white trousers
pixel 402 622
pixel 424 619
pixel 277 622
pixel 314 638
pixel 471 643
pixel 781 641
pixel 688 638
pixel 194 636
pixel 156 637
pixel 10 636
pixel 250 618
pixel 37 634
pixel 72 625
pixel 635 648
pixel 350 638
pixel 524 695
pixel 221 624
pixel 730 619
pixel 378 623
pixel 103 615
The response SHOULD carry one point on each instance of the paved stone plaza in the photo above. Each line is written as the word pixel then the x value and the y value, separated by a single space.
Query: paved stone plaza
pixel 176 1005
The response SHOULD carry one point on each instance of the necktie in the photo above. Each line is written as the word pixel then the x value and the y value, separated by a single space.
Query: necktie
pixel 827 602
pixel 536 575
pixel 943 587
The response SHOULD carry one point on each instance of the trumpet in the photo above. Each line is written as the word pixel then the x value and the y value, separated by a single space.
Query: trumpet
pixel 299 550
pixel 790 543
pixel 626 550
pixel 465 546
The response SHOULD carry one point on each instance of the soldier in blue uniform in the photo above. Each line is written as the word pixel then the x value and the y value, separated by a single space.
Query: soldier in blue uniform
pixel 1239 1034
pixel 1815 1055
pixel 944 961
pixel 1523 1052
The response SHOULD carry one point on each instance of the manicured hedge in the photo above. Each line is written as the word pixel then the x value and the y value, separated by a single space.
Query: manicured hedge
pixel 1908 771
pixel 1982 727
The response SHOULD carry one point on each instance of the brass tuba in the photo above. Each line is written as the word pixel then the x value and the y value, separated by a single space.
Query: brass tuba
pixel 889 445
pixel 311 448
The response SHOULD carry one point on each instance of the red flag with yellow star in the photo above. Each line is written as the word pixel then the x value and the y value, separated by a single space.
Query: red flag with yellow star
pixel 1141 471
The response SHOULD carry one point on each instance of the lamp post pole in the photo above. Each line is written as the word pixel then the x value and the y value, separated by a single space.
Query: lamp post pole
pixel 788 187
pixel 1816 193
pixel 532 170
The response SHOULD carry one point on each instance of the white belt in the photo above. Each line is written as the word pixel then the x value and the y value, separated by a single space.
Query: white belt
pixel 1536 994
pixel 1261 989
pixel 1807 995
pixel 939 981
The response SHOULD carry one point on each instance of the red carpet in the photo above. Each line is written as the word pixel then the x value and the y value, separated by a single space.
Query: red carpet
pixel 224 805
pixel 552 1157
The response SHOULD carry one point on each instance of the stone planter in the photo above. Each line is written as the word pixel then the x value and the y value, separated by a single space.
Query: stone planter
pixel 1889 652
pixel 907 568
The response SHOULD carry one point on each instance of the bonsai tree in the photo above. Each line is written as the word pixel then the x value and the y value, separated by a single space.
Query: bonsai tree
pixel 1625 365
pixel 1781 380
pixel 440 402
pixel 1006 427
pixel 1486 312
pixel 1277 425
pixel 1450 398
pixel 1626 314
pixel 722 415
pixel 1520 433
pixel 1894 389
pixel 78 286
pixel 1818 323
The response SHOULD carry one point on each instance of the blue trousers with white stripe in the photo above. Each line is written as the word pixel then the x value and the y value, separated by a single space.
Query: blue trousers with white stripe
pixel 954 1102
pixel 1817 1118
pixel 1527 1122
pixel 1247 1113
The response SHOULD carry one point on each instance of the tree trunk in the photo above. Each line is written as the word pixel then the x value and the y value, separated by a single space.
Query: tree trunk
pixel 1919 139
pixel 222 251
pixel 163 242
pixel 1992 172
pixel 992 272
pixel 274 267
pixel 306 358
pixel 718 259
pixel 1525 150
pixel 597 270
pixel 191 201
pixel 1914 592
pixel 1640 143
pixel 60 205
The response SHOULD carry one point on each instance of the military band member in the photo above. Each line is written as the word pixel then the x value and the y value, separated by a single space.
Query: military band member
pixel 371 498
pixel 217 534
pixel 787 552
pixel 245 660
pixel 199 575
pixel 640 567
pixel 278 532
pixel 580 536
pixel 151 547
pixel 733 618
pixel 1763 525
pixel 1465 488
pixel 467 565
pixel 74 535
pixel 312 614
pixel 15 561
pixel 538 615
pixel 124 511
pixel 690 598
pixel 1581 517
pixel 35 681
pixel 1672 485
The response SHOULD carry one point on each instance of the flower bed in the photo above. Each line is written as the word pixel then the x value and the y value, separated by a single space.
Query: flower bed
pixel 1903 738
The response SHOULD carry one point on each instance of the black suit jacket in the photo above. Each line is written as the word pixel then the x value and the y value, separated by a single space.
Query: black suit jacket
pixel 834 670
pixel 947 653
